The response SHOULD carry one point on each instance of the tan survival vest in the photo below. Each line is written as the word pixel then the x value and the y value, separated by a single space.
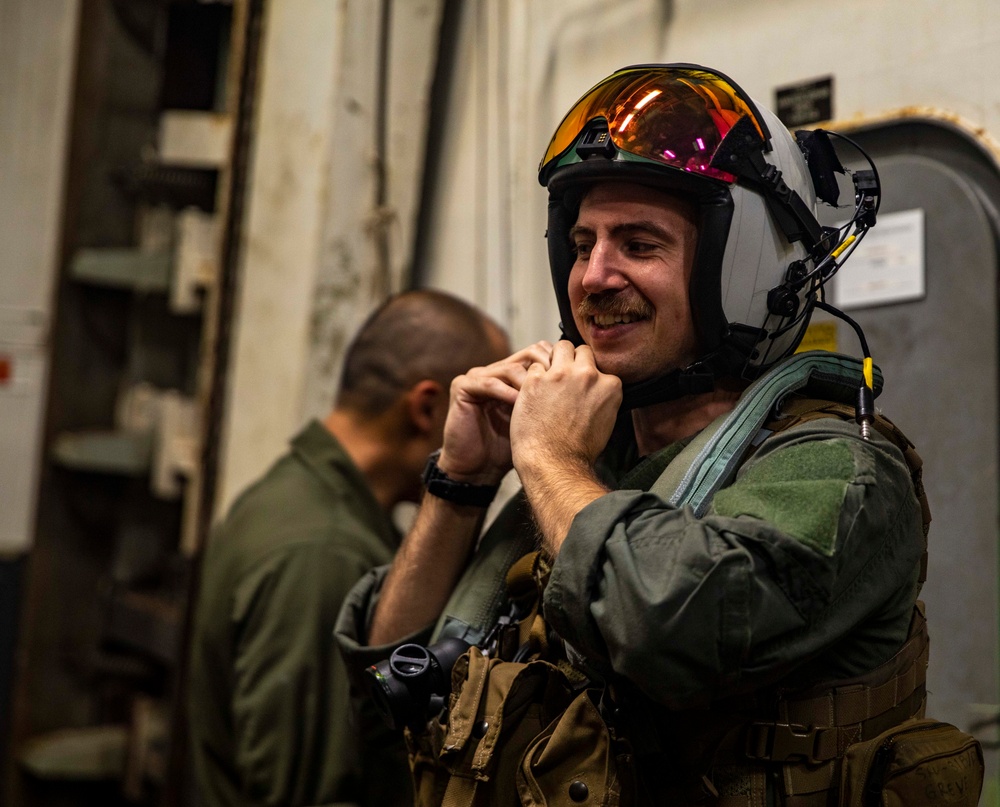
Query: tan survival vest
pixel 533 731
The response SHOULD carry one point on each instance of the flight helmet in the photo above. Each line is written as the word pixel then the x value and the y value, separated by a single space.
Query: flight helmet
pixel 692 131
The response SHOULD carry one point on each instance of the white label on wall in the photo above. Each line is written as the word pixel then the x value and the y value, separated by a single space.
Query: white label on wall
pixel 887 266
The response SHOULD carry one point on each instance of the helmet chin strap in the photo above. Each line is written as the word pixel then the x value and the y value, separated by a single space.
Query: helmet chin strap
pixel 728 359
pixel 676 384
pixel 695 379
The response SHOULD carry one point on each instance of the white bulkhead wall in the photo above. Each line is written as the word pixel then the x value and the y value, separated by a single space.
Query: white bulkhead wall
pixel 331 206
pixel 279 252
pixel 37 62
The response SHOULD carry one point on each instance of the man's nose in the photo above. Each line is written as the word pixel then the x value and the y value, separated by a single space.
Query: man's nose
pixel 603 271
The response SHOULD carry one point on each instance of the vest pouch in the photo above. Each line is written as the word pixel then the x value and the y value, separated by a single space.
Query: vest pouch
pixel 429 781
pixel 469 757
pixel 919 762
pixel 575 761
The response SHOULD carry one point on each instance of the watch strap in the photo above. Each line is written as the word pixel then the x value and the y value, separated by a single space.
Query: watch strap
pixel 439 484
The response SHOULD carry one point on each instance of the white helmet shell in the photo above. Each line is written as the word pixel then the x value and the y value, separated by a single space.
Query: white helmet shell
pixel 758 253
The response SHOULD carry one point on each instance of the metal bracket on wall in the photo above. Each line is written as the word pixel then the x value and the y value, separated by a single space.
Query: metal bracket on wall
pixel 177 446
pixel 196 259
pixel 192 139
pixel 183 262
pixel 134 753
pixel 173 423
pixel 94 753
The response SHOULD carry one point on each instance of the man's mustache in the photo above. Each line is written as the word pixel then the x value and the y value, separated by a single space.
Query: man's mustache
pixel 627 302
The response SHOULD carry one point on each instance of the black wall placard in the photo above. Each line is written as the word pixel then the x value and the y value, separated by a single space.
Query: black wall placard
pixel 808 102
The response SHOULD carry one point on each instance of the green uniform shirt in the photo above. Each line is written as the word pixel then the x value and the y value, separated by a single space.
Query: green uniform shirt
pixel 269 705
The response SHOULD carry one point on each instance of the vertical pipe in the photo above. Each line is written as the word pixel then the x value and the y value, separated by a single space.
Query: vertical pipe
pixel 505 179
pixel 440 110
pixel 481 185
pixel 382 271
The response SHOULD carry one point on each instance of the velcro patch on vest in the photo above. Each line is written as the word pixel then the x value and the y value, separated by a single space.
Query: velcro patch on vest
pixel 800 489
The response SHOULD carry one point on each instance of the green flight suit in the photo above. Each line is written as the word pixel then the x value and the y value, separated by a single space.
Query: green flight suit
pixel 269 706
pixel 808 560
pixel 804 569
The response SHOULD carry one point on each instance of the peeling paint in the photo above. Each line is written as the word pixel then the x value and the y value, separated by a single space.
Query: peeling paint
pixel 975 132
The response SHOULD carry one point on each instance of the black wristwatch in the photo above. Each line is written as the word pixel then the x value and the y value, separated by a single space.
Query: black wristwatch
pixel 439 484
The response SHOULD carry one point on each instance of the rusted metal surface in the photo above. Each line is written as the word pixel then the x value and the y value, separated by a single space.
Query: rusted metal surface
pixel 979 134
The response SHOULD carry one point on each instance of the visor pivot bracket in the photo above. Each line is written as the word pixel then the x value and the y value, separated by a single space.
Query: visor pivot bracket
pixel 596 142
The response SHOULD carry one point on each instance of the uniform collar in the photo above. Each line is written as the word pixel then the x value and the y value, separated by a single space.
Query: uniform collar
pixel 649 468
pixel 316 446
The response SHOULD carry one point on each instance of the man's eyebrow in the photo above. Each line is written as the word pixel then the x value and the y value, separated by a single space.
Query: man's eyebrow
pixel 628 228
pixel 644 226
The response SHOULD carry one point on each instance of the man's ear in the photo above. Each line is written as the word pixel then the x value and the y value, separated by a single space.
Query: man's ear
pixel 426 402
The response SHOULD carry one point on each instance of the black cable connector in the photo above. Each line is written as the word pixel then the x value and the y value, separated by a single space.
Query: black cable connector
pixel 864 411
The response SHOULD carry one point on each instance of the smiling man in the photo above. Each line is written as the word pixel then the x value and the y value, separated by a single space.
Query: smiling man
pixel 634 250
pixel 724 596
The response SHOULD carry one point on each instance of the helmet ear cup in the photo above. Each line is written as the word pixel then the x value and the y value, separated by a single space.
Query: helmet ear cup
pixel 782 301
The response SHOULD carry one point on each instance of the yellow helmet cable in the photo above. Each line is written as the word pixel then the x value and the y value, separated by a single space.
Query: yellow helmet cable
pixel 864 409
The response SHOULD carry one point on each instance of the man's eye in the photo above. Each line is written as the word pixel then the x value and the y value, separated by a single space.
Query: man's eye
pixel 581 250
pixel 640 246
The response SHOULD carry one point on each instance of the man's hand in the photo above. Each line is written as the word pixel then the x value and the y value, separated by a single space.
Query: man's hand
pixel 561 421
pixel 477 432
pixel 566 410
pixel 476 449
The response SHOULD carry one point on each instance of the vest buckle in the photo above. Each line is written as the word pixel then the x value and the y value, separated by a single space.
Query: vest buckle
pixel 780 742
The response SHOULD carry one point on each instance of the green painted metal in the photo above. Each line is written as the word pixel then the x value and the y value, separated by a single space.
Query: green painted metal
pixel 123 268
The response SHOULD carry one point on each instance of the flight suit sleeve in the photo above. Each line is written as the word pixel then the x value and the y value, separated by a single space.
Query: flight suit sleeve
pixel 289 694
pixel 819 532
pixel 509 537
pixel 354 621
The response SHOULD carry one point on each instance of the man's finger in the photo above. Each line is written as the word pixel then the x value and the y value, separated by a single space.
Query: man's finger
pixel 512 373
pixel 540 352
pixel 585 354
pixel 563 353
pixel 485 388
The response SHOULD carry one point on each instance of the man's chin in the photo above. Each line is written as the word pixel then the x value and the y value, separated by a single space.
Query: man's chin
pixel 630 372
pixel 626 373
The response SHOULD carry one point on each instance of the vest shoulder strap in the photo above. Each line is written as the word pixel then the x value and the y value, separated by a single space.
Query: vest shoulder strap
pixel 713 457
pixel 476 603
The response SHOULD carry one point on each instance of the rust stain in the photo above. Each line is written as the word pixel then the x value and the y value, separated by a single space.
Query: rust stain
pixel 975 131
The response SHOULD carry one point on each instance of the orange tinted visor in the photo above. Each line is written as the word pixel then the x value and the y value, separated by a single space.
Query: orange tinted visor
pixel 673 115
